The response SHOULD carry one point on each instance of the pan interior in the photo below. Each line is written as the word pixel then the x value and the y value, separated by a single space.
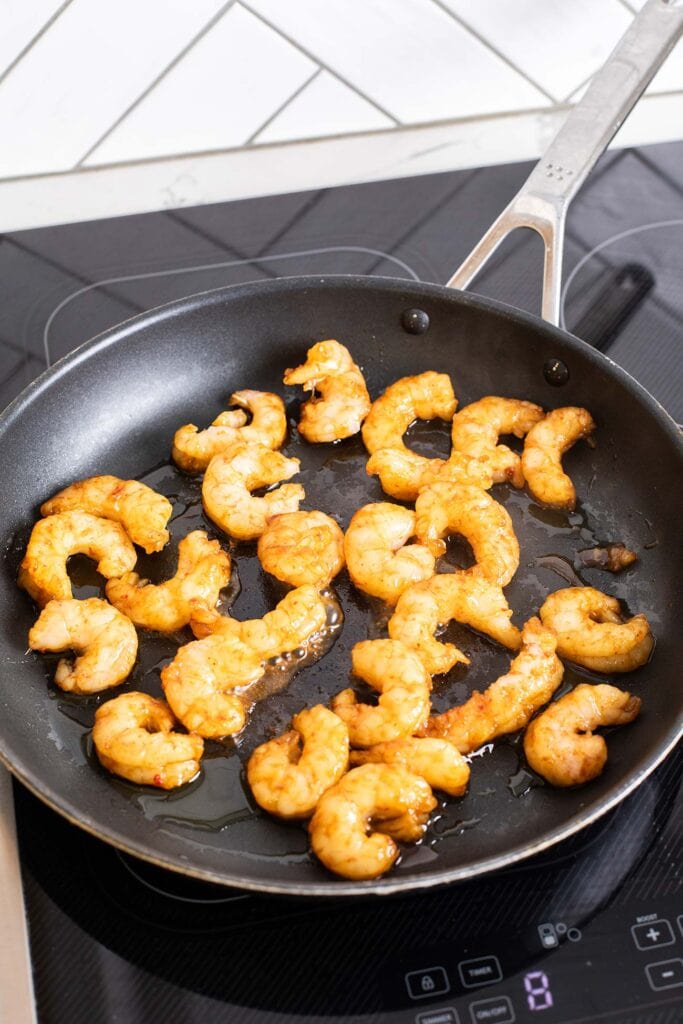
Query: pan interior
pixel 113 408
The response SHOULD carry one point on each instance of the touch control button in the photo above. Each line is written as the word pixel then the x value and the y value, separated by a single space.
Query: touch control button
pixel 653 934
pixel 665 974
pixel 492 1011
pixel 483 971
pixel 445 1016
pixel 425 984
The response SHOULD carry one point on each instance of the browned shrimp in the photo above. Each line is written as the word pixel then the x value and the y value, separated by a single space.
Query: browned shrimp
pixel 193 449
pixel 560 744
pixel 435 761
pixel 379 559
pixel 477 427
pixel 302 547
pixel 544 447
pixel 509 702
pixel 341 400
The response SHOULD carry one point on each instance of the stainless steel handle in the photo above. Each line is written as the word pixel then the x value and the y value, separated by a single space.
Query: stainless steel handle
pixel 543 199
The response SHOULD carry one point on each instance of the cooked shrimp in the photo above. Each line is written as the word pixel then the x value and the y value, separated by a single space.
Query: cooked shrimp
pixel 509 702
pixel 298 617
pixel 133 736
pixel 472 600
pixel 141 511
pixel 378 557
pixel 444 508
pixel 560 744
pixel 403 474
pixel 302 547
pixel 435 761
pixel 105 640
pixel 387 798
pixel 403 683
pixel 54 539
pixel 592 632
pixel 200 681
pixel 233 474
pixel 477 427
pixel 427 396
pixel 544 447
pixel 341 400
pixel 193 449
pixel 289 774
pixel 203 571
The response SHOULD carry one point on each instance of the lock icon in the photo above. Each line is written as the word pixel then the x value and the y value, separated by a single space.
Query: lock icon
pixel 427 983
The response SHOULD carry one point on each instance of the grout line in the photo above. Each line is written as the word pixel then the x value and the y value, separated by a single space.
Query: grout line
pixel 271 117
pixel 501 56
pixel 322 65
pixel 584 82
pixel 629 8
pixel 153 84
pixel 34 39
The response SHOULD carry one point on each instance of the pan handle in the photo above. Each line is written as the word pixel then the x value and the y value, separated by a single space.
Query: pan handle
pixel 542 201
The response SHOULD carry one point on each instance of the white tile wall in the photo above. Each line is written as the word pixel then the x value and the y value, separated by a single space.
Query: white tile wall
pixel 167 84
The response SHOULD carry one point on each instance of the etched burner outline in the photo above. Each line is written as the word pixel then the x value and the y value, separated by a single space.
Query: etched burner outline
pixel 223 264
pixel 124 861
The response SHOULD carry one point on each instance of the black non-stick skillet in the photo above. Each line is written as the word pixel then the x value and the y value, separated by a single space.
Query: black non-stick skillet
pixel 113 406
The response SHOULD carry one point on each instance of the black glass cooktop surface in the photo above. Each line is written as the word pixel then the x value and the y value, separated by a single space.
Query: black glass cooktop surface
pixel 590 930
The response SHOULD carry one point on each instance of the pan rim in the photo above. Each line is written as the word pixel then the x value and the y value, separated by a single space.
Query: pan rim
pixel 332 886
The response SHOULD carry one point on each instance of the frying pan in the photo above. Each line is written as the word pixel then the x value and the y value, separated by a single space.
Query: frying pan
pixel 112 407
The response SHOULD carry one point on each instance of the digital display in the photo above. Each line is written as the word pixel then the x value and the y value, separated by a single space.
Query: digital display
pixel 537 988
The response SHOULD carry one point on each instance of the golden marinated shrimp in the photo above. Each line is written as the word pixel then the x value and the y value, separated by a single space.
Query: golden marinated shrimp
pixel 193 449
pixel 403 474
pixel 592 632
pixel 233 474
pixel 141 511
pixel 378 557
pixel 199 684
pixel 203 571
pixel 340 402
pixel 508 703
pixel 471 600
pixel 477 427
pixel 544 447
pixel 403 683
pixel 302 547
pixel 560 744
pixel 134 738
pixel 289 774
pixel 105 641
pixel 435 761
pixel 446 508
pixel 357 821
pixel 54 539
pixel 299 616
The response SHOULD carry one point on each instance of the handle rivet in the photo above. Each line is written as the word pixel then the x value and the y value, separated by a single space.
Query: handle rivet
pixel 555 372
pixel 415 321
pixel 548 174
pixel 549 166
pixel 559 168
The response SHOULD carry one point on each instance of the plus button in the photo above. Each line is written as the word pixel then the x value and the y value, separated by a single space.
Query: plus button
pixel 653 935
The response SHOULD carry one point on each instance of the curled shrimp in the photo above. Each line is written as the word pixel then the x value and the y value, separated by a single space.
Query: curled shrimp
pixel 289 774
pixel 54 539
pixel 134 738
pixel 200 684
pixel 296 619
pixel 106 642
pixel 302 547
pixel 403 683
pixel 560 744
pixel 472 600
pixel 544 447
pixel 448 508
pixel 477 427
pixel 357 820
pixel 592 632
pixel 341 401
pixel 426 396
pixel 233 474
pixel 141 511
pixel 435 761
pixel 403 474
pixel 378 557
pixel 509 702
pixel 203 571
pixel 193 449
